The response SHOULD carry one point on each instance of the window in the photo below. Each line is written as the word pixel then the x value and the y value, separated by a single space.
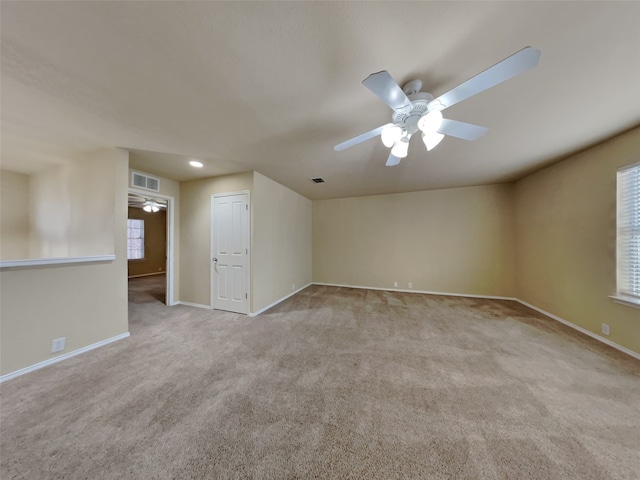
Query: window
pixel 628 238
pixel 135 239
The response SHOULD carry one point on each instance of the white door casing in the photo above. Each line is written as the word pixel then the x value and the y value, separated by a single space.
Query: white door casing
pixel 230 252
pixel 170 294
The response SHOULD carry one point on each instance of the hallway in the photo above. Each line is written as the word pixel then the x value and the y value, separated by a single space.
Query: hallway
pixel 149 289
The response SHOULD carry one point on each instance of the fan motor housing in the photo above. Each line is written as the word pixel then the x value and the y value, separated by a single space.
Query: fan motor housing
pixel 420 106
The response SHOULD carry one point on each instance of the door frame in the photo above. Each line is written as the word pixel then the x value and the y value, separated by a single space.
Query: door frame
pixel 212 300
pixel 170 298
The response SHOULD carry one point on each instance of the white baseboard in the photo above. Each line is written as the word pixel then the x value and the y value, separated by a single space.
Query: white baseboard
pixel 197 305
pixel 581 330
pixel 60 358
pixel 147 274
pixel 262 310
pixel 470 295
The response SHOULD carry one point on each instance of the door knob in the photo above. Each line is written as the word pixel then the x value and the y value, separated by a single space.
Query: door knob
pixel 215 259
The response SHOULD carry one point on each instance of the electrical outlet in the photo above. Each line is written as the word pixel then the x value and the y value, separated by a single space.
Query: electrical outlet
pixel 57 345
pixel 293 287
pixel 605 329
pixel 410 285
pixel 395 284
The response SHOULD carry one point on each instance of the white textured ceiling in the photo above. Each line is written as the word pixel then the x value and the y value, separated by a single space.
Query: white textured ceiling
pixel 272 86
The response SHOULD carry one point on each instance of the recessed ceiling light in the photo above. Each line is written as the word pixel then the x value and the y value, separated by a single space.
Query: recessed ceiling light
pixel 195 163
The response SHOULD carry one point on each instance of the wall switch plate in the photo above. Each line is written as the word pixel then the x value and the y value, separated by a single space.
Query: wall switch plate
pixel 395 284
pixel 410 285
pixel 605 329
pixel 58 344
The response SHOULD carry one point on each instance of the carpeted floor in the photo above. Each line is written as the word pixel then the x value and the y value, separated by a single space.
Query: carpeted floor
pixel 332 383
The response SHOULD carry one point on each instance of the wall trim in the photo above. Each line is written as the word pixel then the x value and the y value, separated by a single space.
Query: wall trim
pixel 196 305
pixel 62 357
pixel 428 292
pixel 589 333
pixel 41 262
pixel 624 300
pixel 262 310
pixel 146 274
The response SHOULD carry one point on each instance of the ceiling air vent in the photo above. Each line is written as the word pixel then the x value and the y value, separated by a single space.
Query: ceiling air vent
pixel 145 181
pixel 317 180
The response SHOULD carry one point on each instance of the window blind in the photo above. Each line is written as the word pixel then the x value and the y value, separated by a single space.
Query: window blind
pixel 628 238
pixel 135 239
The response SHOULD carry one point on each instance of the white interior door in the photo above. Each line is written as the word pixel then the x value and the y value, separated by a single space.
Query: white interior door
pixel 230 249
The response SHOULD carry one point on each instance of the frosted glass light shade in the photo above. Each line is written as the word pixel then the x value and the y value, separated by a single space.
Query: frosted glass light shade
pixel 151 206
pixel 431 140
pixel 430 123
pixel 401 148
pixel 390 135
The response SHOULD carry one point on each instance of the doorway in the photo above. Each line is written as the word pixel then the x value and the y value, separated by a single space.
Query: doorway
pixel 230 252
pixel 150 242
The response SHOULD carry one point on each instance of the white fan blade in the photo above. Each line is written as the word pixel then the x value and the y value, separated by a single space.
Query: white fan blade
pixel 387 89
pixel 360 138
pixel 393 160
pixel 465 131
pixel 508 68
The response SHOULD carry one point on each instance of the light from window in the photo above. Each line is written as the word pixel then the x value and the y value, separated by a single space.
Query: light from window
pixel 628 239
pixel 135 239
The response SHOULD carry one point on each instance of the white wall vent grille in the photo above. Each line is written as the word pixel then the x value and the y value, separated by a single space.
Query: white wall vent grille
pixel 145 181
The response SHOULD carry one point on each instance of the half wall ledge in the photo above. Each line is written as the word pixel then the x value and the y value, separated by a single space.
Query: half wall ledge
pixel 43 262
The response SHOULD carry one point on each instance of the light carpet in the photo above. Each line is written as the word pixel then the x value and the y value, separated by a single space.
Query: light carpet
pixel 331 383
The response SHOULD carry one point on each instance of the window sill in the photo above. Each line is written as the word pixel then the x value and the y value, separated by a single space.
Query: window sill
pixel 628 301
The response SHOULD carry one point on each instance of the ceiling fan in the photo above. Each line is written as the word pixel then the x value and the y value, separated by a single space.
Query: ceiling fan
pixel 148 204
pixel 419 112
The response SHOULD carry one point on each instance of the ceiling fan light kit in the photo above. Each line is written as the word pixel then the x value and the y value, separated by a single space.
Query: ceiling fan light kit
pixel 401 148
pixel 390 135
pixel 415 111
pixel 430 122
pixel 431 140
pixel 151 206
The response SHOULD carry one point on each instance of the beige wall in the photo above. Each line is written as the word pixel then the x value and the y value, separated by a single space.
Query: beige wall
pixel 69 217
pixel 86 303
pixel 281 242
pixel 14 215
pixel 566 239
pixel 155 242
pixel 195 232
pixel 457 240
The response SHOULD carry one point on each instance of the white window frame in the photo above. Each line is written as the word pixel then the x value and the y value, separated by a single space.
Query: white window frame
pixel 138 239
pixel 628 236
